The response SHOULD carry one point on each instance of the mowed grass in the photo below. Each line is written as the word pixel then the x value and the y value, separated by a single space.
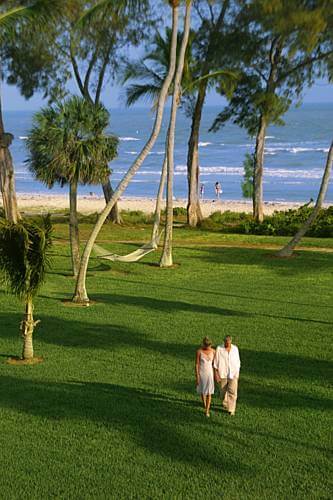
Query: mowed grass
pixel 113 413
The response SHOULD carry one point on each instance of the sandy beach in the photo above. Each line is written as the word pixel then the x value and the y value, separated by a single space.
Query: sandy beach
pixel 41 203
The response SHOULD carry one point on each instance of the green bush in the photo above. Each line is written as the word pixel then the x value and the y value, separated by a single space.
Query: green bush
pixel 136 217
pixel 279 223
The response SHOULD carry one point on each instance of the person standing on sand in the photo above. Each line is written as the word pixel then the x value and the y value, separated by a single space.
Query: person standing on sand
pixel 204 373
pixel 218 190
pixel 202 191
pixel 227 367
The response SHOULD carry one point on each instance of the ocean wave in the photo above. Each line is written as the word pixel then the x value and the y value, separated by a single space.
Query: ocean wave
pixel 294 150
pixel 270 137
pixel 131 152
pixel 23 137
pixel 182 169
pixel 204 144
pixel 283 173
pixel 125 139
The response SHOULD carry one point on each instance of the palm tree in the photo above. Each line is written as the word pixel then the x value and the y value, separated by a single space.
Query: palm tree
pixel 80 295
pixel 198 76
pixel 166 258
pixel 149 72
pixel 288 249
pixel 67 144
pixel 24 260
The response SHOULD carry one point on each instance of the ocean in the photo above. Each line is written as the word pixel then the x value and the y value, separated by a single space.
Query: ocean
pixel 294 158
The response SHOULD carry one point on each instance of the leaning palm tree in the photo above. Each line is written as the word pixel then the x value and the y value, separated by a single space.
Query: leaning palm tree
pixel 288 249
pixel 68 145
pixel 80 295
pixel 24 260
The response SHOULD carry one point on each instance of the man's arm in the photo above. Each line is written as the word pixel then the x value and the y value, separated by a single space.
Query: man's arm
pixel 216 365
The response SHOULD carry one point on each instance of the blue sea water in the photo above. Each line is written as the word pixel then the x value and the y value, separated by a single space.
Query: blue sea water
pixel 294 158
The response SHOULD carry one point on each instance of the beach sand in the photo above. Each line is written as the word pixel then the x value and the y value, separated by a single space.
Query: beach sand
pixel 41 203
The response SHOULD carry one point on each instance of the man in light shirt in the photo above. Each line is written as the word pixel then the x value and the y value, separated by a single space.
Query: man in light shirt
pixel 226 367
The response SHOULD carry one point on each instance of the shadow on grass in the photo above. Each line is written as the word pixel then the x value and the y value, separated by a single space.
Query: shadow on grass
pixel 115 338
pixel 280 398
pixel 264 258
pixel 150 303
pixel 218 293
pixel 153 421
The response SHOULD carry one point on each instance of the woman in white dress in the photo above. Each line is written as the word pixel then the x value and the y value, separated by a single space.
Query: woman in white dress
pixel 204 373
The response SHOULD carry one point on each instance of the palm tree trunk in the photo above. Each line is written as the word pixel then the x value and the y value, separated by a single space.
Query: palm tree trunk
pixel 258 208
pixel 158 206
pixel 80 295
pixel 7 178
pixel 166 258
pixel 194 214
pixel 289 248
pixel 27 328
pixel 74 226
pixel 114 216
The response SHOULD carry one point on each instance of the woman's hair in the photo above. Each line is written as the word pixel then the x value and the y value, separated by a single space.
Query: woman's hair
pixel 206 342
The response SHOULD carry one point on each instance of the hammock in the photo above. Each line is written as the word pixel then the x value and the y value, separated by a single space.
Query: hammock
pixel 155 238
pixel 131 257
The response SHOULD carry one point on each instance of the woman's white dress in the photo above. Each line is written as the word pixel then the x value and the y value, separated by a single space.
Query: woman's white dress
pixel 206 374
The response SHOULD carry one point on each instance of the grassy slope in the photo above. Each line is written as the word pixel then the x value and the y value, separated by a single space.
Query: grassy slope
pixel 113 413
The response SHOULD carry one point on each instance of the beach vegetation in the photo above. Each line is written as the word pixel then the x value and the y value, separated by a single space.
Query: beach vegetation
pixel 24 260
pixel 280 223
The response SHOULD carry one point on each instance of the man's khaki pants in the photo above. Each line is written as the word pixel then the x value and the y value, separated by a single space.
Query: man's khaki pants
pixel 229 393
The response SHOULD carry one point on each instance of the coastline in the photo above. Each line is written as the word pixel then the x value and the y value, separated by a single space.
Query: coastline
pixel 41 203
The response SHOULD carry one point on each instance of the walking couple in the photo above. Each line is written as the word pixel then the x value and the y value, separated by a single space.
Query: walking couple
pixel 223 365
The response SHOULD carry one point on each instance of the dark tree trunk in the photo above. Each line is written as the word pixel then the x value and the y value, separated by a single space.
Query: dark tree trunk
pixel 114 215
pixel 74 227
pixel 258 208
pixel 7 178
pixel 194 214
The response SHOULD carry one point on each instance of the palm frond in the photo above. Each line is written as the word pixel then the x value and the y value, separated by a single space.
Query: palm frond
pixel 24 254
pixel 69 140
pixel 135 92
pixel 118 7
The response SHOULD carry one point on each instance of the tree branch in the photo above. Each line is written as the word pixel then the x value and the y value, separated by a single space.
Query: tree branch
pixel 75 67
pixel 101 77
pixel 304 63
pixel 89 70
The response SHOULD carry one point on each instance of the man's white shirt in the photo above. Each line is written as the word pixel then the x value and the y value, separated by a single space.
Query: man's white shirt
pixel 227 363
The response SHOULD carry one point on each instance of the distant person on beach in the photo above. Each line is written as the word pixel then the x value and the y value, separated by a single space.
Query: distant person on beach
pixel 226 367
pixel 218 190
pixel 204 373
pixel 202 190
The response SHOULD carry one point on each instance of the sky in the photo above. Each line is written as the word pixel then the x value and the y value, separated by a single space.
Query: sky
pixel 321 92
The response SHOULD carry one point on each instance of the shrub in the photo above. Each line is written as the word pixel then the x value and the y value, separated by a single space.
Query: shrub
pixel 279 223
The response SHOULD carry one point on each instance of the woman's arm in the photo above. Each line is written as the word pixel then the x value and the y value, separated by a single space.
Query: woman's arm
pixel 197 364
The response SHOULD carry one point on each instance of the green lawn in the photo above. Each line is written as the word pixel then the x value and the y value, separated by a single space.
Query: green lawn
pixel 112 412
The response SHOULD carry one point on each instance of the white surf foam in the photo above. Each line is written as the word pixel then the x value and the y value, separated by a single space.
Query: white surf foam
pixel 204 144
pixel 125 139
